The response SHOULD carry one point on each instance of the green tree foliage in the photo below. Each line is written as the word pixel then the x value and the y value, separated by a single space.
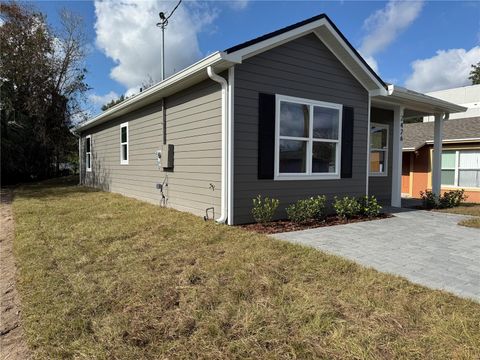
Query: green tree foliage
pixel 113 103
pixel 147 83
pixel 475 74
pixel 42 84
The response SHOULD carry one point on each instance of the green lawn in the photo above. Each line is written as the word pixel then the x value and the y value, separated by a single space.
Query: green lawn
pixel 107 277
pixel 467 209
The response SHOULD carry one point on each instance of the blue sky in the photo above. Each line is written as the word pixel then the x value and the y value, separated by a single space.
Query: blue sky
pixel 423 45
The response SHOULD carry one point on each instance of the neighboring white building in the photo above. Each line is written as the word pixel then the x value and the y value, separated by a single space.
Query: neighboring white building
pixel 468 96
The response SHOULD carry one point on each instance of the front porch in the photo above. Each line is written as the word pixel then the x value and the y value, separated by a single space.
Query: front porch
pixel 401 104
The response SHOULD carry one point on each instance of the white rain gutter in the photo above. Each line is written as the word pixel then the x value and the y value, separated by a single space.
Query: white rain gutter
pixel 224 180
pixel 170 85
pixel 433 104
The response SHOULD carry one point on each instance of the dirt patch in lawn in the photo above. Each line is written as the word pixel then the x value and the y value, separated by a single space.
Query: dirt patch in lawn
pixel 280 226
pixel 12 342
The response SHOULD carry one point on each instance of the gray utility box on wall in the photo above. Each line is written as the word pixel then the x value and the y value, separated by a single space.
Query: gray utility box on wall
pixel 167 156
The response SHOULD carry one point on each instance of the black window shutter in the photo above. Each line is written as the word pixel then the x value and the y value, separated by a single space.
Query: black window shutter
pixel 347 142
pixel 266 136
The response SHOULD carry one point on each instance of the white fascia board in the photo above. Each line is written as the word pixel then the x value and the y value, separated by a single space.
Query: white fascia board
pixel 447 141
pixel 213 60
pixel 466 140
pixel 378 92
pixel 426 103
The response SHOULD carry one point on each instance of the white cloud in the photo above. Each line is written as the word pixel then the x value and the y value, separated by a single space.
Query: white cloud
pixel 385 25
pixel 447 69
pixel 127 33
pixel 99 100
pixel 238 4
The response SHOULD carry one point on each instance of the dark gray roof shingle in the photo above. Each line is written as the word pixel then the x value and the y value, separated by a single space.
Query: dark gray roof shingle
pixel 416 135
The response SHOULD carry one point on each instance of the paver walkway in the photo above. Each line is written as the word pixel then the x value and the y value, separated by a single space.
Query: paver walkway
pixel 428 248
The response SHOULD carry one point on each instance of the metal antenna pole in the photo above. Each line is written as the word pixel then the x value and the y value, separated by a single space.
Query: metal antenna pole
pixel 163 54
pixel 163 24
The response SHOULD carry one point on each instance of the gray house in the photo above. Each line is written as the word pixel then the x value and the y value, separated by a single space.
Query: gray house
pixel 291 114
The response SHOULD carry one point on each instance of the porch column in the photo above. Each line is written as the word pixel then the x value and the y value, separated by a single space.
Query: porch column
pixel 437 153
pixel 397 156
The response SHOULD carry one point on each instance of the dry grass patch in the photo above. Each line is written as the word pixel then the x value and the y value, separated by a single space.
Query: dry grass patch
pixel 107 277
pixel 467 209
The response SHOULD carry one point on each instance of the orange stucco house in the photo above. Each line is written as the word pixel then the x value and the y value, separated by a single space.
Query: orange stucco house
pixel 460 157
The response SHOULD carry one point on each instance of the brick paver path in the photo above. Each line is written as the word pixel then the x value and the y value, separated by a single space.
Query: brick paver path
pixel 428 248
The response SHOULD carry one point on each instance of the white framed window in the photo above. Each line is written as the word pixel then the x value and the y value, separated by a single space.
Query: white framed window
pixel 461 168
pixel 379 149
pixel 307 139
pixel 88 153
pixel 124 143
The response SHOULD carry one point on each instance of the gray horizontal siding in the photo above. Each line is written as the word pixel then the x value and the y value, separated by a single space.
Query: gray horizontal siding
pixel 193 126
pixel 301 68
pixel 381 186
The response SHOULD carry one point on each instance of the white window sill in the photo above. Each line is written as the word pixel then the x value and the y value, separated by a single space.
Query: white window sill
pixel 306 177
pixel 124 162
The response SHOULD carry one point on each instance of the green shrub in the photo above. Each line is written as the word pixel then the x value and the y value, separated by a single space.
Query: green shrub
pixel 369 206
pixel 448 200
pixel 452 199
pixel 347 207
pixel 308 209
pixel 429 199
pixel 264 209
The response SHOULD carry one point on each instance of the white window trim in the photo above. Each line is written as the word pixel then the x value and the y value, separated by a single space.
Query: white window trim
pixel 386 150
pixel 88 169
pixel 457 169
pixel 122 161
pixel 308 175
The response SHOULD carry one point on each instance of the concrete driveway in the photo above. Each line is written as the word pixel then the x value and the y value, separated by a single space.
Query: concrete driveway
pixel 428 248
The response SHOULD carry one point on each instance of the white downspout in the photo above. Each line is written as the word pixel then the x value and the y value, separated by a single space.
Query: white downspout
pixel 224 180
pixel 230 143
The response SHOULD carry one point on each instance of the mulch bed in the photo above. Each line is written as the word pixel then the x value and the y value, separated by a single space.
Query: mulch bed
pixel 280 226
